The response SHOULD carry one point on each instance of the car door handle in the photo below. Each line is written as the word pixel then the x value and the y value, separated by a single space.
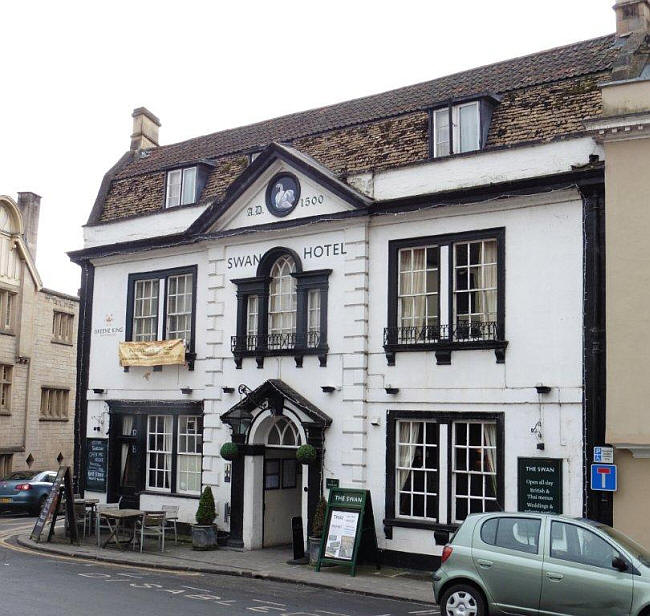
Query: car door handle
pixel 556 577
pixel 485 564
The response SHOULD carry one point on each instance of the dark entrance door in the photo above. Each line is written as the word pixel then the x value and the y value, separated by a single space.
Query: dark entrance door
pixel 127 459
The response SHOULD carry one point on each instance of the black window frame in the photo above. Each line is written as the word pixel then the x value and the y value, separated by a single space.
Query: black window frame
pixel 259 285
pixel 190 354
pixel 445 343
pixel 174 409
pixel 392 417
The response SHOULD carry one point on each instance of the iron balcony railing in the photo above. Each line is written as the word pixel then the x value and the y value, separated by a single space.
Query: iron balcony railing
pixel 275 342
pixel 432 334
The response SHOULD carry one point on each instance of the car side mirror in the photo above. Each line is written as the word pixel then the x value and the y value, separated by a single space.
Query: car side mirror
pixel 619 563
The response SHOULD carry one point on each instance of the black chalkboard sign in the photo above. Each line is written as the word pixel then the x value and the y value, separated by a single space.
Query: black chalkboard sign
pixel 539 485
pixel 96 463
pixel 62 487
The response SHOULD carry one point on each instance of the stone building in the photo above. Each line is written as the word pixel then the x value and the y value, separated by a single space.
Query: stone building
pixel 411 282
pixel 38 331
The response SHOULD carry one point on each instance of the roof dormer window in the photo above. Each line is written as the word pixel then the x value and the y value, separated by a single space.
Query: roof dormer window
pixel 181 187
pixel 457 129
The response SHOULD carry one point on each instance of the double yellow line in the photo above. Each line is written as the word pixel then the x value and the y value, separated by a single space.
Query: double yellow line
pixel 7 534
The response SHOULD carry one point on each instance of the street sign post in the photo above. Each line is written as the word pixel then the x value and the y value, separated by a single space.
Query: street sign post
pixel 604 477
pixel 604 455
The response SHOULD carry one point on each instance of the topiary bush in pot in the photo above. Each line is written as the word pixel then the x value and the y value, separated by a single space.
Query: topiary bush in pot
pixel 317 526
pixel 306 454
pixel 229 451
pixel 204 532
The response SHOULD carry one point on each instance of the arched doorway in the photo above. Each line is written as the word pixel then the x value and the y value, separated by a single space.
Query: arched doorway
pixel 269 423
pixel 282 481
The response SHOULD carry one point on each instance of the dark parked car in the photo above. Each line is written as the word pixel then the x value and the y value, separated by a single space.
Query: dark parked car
pixel 25 490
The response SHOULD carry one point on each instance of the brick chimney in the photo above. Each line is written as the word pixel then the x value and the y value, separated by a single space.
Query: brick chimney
pixel 145 130
pixel 632 16
pixel 29 204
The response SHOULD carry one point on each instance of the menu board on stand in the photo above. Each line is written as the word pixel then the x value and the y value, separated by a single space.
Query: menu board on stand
pixel 349 535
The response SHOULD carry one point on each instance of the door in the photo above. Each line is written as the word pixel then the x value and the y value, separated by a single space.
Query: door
pixel 127 459
pixel 578 577
pixel 507 555
pixel 282 496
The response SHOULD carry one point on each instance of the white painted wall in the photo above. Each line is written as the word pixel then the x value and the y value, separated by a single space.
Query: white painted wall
pixel 543 326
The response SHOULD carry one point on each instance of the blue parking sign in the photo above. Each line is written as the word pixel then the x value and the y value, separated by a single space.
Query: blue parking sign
pixel 603 477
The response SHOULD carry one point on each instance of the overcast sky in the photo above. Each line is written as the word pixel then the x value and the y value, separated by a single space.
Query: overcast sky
pixel 72 72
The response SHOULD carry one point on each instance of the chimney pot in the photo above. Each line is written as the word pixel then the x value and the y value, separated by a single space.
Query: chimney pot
pixel 145 130
pixel 632 16
pixel 29 204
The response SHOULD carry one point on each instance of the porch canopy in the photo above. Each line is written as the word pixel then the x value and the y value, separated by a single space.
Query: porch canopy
pixel 273 395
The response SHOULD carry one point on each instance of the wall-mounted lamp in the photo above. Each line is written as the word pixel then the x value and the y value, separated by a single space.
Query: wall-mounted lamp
pixel 228 390
pixel 328 389
pixel 186 390
pixel 391 390
pixel 542 389
pixel 98 390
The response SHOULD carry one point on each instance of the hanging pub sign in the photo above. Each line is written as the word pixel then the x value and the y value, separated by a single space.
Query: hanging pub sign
pixel 349 535
pixel 49 512
pixel 539 485
pixel 96 464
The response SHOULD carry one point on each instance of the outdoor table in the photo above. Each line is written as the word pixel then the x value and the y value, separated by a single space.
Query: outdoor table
pixel 115 519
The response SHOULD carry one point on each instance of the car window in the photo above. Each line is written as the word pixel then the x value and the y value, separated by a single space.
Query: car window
pixel 489 531
pixel 579 545
pixel 49 478
pixel 21 475
pixel 634 548
pixel 520 534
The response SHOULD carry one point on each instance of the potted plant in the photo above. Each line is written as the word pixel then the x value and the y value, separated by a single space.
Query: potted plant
pixel 317 524
pixel 204 532
pixel 306 454
pixel 229 451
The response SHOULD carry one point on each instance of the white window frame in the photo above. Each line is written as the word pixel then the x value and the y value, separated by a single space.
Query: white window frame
pixel 313 317
pixel 410 469
pixel 168 437
pixel 185 297
pixel 455 129
pixel 283 287
pixel 252 315
pixel 483 473
pixel 179 179
pixel 402 295
pixel 197 454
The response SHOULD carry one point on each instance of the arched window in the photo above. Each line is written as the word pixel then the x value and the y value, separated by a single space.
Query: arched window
pixel 283 304
pixel 283 433
pixel 282 310
pixel 10 264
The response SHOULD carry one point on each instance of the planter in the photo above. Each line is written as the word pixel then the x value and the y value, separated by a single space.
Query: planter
pixel 204 537
pixel 222 537
pixel 314 549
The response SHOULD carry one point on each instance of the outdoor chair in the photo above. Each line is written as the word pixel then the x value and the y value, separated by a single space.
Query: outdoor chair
pixel 171 518
pixel 98 518
pixel 82 516
pixel 150 525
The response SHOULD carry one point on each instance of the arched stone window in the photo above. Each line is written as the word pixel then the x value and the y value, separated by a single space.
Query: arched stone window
pixel 282 310
pixel 283 433
pixel 10 264
pixel 283 303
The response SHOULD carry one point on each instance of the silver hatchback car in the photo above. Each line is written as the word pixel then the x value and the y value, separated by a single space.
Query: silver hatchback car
pixel 551 565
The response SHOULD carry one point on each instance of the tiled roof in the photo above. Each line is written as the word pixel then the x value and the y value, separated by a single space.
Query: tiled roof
pixel 592 56
pixel 544 96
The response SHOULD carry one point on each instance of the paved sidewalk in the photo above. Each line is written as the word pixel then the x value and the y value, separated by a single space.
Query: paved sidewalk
pixel 270 564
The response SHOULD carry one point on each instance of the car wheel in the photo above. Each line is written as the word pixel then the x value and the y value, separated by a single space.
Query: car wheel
pixel 462 600
pixel 41 502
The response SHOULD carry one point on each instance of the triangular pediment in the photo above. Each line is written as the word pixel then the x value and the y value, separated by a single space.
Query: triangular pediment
pixel 280 184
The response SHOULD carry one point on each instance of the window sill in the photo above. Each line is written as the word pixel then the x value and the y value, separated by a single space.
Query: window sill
pixel 5 413
pixel 59 419
pixel 62 342
pixel 296 353
pixel 190 358
pixel 390 523
pixel 7 332
pixel 170 494
pixel 443 349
